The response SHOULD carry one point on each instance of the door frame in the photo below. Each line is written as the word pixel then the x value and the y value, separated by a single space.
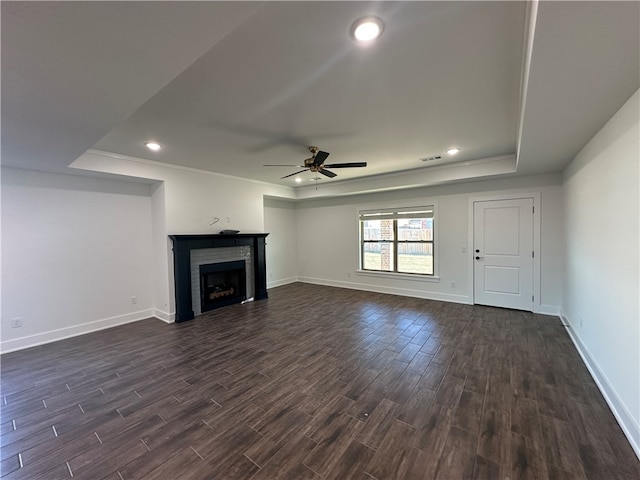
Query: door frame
pixel 536 242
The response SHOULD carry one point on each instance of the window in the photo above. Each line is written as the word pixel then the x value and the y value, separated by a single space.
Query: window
pixel 397 240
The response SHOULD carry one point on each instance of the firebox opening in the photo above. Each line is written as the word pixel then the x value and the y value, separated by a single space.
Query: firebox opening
pixel 222 284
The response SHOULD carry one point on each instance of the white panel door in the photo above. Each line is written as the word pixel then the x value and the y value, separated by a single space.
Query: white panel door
pixel 503 253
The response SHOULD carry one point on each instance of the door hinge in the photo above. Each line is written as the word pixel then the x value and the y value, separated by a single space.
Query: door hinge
pixel 532 298
pixel 533 254
pixel 533 209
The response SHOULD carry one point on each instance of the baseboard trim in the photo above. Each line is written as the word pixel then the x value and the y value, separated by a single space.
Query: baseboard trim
pixel 547 310
pixel 164 316
pixel 627 423
pixel 73 331
pixel 404 292
pixel 281 282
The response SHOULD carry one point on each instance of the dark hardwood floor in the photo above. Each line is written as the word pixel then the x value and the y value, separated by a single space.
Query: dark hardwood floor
pixel 313 383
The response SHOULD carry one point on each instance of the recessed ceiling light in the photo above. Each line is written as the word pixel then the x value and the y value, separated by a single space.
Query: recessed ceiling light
pixel 298 179
pixel 453 151
pixel 155 146
pixel 366 29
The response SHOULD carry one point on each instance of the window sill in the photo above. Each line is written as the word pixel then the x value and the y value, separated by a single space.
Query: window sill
pixel 401 276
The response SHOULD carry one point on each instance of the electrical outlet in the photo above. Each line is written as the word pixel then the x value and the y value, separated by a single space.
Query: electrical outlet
pixel 16 322
pixel 349 274
pixel 453 284
pixel 134 300
pixel 228 219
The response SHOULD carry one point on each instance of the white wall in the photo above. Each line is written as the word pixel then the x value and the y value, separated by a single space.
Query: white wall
pixel 187 203
pixel 194 197
pixel 164 301
pixel 282 242
pixel 74 252
pixel 328 238
pixel 601 295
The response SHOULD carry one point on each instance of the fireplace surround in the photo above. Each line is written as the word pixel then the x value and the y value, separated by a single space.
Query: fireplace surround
pixel 184 244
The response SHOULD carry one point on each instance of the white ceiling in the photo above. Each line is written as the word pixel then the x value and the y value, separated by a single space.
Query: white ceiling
pixel 229 86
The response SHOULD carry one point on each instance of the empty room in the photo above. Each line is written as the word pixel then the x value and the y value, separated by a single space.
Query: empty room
pixel 320 240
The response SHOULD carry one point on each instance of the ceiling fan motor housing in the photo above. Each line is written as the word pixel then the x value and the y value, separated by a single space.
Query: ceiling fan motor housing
pixel 316 164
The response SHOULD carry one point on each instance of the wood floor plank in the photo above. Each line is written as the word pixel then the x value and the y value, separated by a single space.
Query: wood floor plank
pixel 287 460
pixel 328 452
pixel 449 391
pixel 395 456
pixel 151 460
pixel 314 383
pixel 391 374
pixel 485 469
pixel 44 457
pixel 584 425
pixel 432 431
pixel 10 464
pixel 495 433
pixel 322 424
pixel 408 353
pixel 420 363
pixel 230 467
pixel 219 445
pixel 403 387
pixel 361 383
pixel 527 458
pixel 367 401
pixel 560 448
pixel 111 457
pixel 416 408
pixel 352 463
pixel 432 377
pixel 525 419
pixel 175 466
pixel 277 432
pixel 468 413
pixel 459 455
pixel 43 436
pixel 379 423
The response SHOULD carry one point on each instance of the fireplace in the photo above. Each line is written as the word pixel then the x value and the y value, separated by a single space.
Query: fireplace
pixel 222 284
pixel 192 251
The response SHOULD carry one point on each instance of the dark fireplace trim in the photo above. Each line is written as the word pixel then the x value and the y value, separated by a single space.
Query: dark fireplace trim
pixel 182 246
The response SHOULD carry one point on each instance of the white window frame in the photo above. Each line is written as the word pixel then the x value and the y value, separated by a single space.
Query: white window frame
pixel 403 207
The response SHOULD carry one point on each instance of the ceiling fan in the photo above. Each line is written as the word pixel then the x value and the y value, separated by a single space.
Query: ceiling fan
pixel 316 164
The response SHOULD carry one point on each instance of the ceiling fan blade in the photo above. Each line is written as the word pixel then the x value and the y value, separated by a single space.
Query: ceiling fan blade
pixel 327 173
pixel 347 165
pixel 320 158
pixel 292 174
pixel 278 165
